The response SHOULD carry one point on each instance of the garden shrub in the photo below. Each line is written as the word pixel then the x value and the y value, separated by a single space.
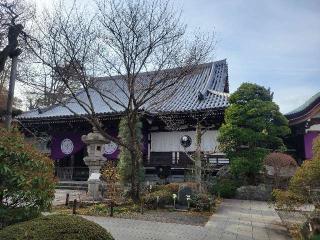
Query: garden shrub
pixel 202 202
pixel 171 187
pixel 302 184
pixel 99 209
pixel 281 165
pixel 279 160
pixel 193 185
pixel 55 227
pixel 247 164
pixel 26 179
pixel 165 197
pixel 225 188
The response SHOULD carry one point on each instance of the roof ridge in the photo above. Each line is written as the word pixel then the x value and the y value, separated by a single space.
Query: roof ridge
pixel 202 65
pixel 219 93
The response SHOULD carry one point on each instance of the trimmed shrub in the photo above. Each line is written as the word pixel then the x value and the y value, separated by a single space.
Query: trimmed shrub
pixel 55 227
pixel 225 188
pixel 280 160
pixel 280 167
pixel 202 202
pixel 165 197
pixel 26 179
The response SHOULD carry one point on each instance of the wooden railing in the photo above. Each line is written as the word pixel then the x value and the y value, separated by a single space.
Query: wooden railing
pixel 72 173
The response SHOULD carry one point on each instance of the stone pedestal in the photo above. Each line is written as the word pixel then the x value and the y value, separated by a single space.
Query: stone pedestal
pixel 95 160
pixel 94 183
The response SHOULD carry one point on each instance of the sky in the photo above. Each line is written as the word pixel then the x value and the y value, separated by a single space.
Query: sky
pixel 274 43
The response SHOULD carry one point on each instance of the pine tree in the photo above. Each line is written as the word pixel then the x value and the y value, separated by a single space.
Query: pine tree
pixel 253 127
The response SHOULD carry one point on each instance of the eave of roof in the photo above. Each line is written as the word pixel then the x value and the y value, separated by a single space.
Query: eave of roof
pixel 305 111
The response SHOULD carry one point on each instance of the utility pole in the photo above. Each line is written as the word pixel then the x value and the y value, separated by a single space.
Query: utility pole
pixel 13 75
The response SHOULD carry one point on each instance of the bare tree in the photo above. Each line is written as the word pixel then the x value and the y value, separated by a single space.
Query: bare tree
pixel 44 87
pixel 122 40
pixel 13 16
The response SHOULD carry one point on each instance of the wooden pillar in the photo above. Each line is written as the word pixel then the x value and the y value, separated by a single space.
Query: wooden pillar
pixel 72 165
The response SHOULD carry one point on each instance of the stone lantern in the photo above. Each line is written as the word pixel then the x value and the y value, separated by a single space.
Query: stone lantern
pixel 95 160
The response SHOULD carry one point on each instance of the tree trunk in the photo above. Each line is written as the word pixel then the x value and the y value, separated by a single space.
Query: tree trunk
pixel 135 157
pixel 135 183
pixel 10 98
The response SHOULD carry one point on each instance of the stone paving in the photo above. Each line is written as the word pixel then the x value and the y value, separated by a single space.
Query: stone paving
pixel 243 219
pixel 60 196
pixel 234 220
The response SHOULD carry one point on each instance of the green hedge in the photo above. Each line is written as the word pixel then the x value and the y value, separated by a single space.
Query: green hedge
pixel 55 227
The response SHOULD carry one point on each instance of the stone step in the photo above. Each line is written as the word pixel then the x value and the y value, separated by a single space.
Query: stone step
pixel 72 185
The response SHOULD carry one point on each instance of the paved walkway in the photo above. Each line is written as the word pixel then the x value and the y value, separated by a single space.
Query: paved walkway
pixel 242 219
pixel 234 220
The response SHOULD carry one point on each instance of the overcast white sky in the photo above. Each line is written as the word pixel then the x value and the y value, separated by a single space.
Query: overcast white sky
pixel 275 43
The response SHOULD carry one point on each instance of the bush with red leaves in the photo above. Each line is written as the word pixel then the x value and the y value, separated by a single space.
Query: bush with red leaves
pixel 279 160
pixel 282 165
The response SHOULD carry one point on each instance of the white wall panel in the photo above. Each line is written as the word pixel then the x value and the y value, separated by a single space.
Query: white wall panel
pixel 170 141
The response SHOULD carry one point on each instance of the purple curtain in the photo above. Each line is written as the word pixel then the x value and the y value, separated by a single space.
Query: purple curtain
pixel 308 139
pixel 68 143
pixel 65 144
pixel 115 155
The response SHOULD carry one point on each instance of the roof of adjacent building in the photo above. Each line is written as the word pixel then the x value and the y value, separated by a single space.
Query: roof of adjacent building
pixel 205 89
pixel 306 110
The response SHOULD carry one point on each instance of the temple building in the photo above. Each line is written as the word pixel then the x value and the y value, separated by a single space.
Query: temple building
pixel 57 131
pixel 304 122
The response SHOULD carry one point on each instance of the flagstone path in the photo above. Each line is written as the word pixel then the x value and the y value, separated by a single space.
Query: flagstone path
pixel 234 220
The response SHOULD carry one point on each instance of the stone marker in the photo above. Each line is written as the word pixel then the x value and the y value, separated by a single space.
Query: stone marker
pixel 182 195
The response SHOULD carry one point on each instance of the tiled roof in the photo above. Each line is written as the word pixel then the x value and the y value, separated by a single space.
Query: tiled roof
pixel 315 99
pixel 204 90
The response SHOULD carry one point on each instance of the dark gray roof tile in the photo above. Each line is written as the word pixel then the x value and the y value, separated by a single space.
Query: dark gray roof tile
pixel 211 80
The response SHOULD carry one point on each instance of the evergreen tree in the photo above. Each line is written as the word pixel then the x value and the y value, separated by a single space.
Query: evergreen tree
pixel 125 162
pixel 253 127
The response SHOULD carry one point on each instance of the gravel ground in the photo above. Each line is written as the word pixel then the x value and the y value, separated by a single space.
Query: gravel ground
pixel 189 218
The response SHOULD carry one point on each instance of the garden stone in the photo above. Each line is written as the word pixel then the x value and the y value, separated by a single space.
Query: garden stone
pixel 182 195
pixel 261 192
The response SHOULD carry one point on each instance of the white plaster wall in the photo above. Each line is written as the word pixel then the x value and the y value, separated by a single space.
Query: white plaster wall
pixel 170 141
pixel 315 127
